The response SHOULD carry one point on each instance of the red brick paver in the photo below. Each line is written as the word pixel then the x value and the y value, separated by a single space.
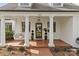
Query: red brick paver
pixel 40 52
pixel 39 43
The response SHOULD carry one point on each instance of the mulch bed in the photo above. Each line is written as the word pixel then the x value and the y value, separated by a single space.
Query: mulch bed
pixel 61 52
pixel 15 52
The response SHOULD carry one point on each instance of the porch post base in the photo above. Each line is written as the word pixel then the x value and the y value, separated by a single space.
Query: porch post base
pixel 2 45
pixel 51 45
pixel 26 45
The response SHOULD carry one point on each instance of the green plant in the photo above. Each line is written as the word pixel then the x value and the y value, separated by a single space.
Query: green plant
pixel 9 34
pixel 57 49
pixel 9 48
pixel 65 49
pixel 77 51
pixel 22 49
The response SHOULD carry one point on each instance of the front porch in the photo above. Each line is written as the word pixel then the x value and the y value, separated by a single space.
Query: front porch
pixel 55 27
pixel 58 27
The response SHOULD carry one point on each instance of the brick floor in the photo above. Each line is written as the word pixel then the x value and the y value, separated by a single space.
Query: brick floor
pixel 40 47
pixel 60 43
pixel 39 43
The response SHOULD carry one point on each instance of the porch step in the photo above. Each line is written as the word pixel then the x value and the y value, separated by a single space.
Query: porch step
pixel 40 43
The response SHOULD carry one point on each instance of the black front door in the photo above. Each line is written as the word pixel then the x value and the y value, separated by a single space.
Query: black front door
pixel 38 30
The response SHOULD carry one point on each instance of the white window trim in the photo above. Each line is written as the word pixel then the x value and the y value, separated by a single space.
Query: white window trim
pixel 52 5
pixel 20 5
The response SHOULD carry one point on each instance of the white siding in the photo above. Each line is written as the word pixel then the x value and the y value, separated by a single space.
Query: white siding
pixel 0 31
pixel 67 30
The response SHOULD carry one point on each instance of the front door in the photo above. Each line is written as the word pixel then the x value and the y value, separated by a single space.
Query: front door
pixel 38 30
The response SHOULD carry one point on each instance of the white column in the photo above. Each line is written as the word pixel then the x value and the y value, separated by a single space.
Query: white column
pixel 19 25
pixel 18 28
pixel 2 31
pixel 15 26
pixel 51 44
pixel 26 31
pixel 75 32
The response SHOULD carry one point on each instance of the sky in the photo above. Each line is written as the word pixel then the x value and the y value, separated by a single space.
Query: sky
pixel 39 1
pixel 2 4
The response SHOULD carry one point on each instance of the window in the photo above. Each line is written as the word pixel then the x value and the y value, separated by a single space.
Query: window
pixel 8 26
pixel 23 26
pixel 48 24
pixel 25 5
pixel 29 26
pixel 54 26
pixel 56 4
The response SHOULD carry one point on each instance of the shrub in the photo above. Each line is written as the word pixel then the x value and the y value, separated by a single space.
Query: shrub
pixel 57 49
pixel 65 49
pixel 22 49
pixel 9 48
pixel 77 51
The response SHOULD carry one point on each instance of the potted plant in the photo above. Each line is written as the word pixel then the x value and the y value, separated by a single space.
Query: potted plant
pixel 32 35
pixel 9 48
pixel 45 34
